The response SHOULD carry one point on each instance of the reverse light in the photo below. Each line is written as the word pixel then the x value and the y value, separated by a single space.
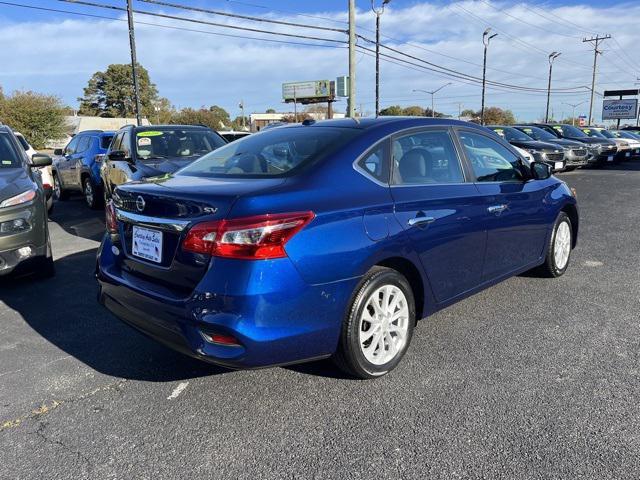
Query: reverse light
pixel 111 220
pixel 250 238
pixel 24 197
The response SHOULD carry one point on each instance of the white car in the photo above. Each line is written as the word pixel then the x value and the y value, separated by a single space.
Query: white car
pixel 633 142
pixel 45 172
pixel 526 155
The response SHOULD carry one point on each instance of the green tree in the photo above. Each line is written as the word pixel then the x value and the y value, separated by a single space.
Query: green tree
pixel 221 115
pixel 39 117
pixel 270 110
pixel 498 116
pixel 238 124
pixel 202 116
pixel 110 93
pixel 392 111
pixel 413 111
pixel 301 117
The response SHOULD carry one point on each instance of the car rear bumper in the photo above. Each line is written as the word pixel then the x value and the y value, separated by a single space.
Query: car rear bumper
pixel 276 321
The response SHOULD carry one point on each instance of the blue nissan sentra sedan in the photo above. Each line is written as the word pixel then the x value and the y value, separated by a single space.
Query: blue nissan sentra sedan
pixel 328 239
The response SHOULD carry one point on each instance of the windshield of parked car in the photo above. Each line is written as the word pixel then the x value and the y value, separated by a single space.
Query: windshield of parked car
pixel 23 142
pixel 569 131
pixel 511 134
pixel 620 134
pixel 152 144
pixel 593 133
pixel 272 153
pixel 538 133
pixel 8 156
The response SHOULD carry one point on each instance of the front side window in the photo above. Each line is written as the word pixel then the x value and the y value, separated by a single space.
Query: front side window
pixel 8 156
pixel 23 142
pixel 376 164
pixel 491 161
pixel 105 141
pixel 117 143
pixel 569 131
pixel 426 157
pixel 175 143
pixel 73 145
pixel 275 152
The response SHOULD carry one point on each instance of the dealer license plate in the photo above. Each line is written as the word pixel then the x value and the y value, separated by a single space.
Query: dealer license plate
pixel 147 244
pixel 610 158
pixel 558 166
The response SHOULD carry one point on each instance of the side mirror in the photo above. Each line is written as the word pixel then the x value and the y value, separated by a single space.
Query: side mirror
pixel 119 155
pixel 540 171
pixel 58 152
pixel 39 160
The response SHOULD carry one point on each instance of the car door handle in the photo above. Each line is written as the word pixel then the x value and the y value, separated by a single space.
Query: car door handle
pixel 420 221
pixel 497 209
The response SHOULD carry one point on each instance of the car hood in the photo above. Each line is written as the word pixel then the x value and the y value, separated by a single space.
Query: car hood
pixel 13 181
pixel 592 140
pixel 534 144
pixel 567 143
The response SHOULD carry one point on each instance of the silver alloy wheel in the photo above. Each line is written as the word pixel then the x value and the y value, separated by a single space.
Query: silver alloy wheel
pixel 88 192
pixel 562 245
pixel 56 187
pixel 384 325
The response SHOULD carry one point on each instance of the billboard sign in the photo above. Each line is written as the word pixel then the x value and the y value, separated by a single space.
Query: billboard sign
pixel 619 109
pixel 314 89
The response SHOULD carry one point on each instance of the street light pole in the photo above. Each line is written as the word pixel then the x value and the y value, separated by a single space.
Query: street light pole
pixel 241 105
pixel 351 108
pixel 432 93
pixel 574 106
pixel 552 57
pixel 378 12
pixel 486 38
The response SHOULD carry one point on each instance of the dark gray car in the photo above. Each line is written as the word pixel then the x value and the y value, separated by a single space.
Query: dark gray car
pixel 24 234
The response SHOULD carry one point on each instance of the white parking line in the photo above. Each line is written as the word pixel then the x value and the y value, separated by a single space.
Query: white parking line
pixel 178 390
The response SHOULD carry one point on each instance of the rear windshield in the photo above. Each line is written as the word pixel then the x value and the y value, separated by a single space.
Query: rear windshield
pixel 175 143
pixel 8 156
pixel 272 153
pixel 105 141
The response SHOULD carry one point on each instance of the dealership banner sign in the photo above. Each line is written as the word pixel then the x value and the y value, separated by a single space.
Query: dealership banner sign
pixel 619 109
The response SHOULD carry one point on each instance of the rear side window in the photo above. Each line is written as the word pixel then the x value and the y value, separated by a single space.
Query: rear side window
pixel 491 161
pixel 375 163
pixel 427 157
pixel 83 144
pixel 105 141
pixel 8 156
pixel 274 152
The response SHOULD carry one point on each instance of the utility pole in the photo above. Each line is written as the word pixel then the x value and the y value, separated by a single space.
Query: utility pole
pixel 597 39
pixel 552 57
pixel 351 111
pixel 574 106
pixel 134 62
pixel 459 110
pixel 295 106
pixel 486 38
pixel 378 12
pixel 433 111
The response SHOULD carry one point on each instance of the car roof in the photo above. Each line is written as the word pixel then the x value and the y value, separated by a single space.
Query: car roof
pixel 370 123
pixel 166 127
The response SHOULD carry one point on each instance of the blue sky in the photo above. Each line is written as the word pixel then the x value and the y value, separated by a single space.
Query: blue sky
pixel 56 53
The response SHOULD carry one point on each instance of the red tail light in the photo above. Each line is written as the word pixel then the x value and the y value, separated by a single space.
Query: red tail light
pixel 111 220
pixel 252 238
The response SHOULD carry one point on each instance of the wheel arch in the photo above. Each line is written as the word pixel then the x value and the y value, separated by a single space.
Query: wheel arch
pixel 572 212
pixel 412 273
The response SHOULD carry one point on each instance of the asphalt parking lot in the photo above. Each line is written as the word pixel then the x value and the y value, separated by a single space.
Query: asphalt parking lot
pixel 533 378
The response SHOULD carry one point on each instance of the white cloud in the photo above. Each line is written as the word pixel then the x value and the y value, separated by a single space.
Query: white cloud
pixel 194 69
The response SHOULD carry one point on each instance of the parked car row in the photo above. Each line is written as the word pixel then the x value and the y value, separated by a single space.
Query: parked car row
pixel 565 147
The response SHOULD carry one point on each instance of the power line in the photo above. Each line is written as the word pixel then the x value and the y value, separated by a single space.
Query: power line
pixel 243 17
pixel 170 27
pixel 202 22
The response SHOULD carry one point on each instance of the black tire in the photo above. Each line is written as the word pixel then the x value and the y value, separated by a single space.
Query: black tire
pixel 349 356
pixel 45 268
pixel 92 195
pixel 550 268
pixel 58 192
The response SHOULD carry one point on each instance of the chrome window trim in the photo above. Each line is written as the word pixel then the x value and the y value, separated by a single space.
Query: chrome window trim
pixel 168 224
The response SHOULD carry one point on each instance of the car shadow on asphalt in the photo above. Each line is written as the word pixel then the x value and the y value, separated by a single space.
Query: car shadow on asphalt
pixel 64 311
